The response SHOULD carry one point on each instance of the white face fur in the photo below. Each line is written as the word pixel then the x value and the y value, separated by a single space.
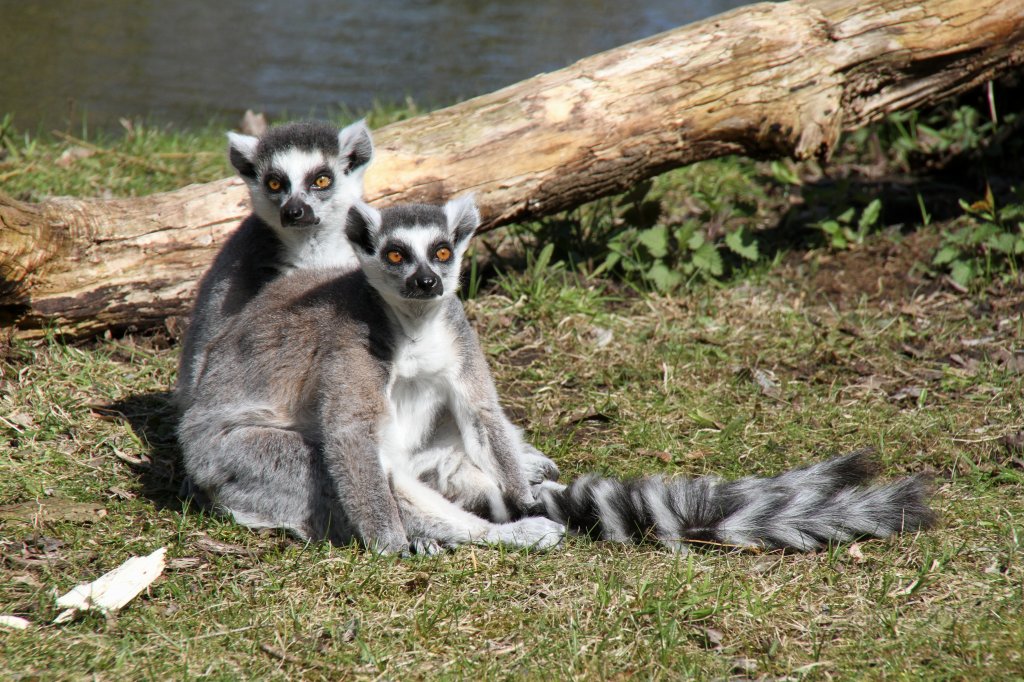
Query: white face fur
pixel 303 178
pixel 412 254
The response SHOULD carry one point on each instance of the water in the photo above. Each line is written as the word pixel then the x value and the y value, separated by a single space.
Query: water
pixel 187 61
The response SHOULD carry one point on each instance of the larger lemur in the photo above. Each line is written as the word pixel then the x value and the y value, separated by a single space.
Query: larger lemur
pixel 358 405
pixel 302 178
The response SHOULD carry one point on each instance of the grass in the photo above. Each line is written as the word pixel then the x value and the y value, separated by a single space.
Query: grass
pixel 818 352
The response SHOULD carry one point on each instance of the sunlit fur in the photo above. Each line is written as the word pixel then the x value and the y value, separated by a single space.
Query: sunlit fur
pixel 264 247
pixel 362 403
pixel 353 405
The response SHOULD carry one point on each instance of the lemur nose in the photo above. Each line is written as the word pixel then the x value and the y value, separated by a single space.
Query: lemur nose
pixel 293 212
pixel 427 283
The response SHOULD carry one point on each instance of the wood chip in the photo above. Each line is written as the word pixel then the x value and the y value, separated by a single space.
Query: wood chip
pixel 14 622
pixel 114 589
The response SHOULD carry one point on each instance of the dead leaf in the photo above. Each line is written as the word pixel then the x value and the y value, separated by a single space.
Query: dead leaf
pixel 767 382
pixel 600 337
pixel 52 510
pixel 913 352
pixel 72 154
pixel 207 544
pixel 744 666
pixel 970 343
pixel 1014 442
pixel 658 454
pixel 19 421
pixel 121 493
pixel 587 414
pixel 855 552
pixel 712 637
pixel 183 563
pixel 419 582
pixel 912 392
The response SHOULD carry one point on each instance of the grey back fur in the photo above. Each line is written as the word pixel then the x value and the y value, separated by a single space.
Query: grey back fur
pixel 263 247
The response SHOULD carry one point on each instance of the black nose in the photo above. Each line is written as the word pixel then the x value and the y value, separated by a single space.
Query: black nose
pixel 426 283
pixel 297 212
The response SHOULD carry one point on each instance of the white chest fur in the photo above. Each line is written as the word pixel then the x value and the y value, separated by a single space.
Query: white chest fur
pixel 316 248
pixel 424 368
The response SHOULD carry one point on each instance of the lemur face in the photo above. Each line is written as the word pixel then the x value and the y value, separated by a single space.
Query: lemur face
pixel 414 251
pixel 302 174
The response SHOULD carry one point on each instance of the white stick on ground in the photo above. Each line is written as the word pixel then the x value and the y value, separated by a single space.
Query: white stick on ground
pixel 113 590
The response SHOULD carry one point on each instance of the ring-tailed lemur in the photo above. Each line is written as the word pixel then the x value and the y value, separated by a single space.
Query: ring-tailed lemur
pixel 302 179
pixel 360 404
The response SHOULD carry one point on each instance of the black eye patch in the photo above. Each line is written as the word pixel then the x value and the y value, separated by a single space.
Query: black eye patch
pixel 316 179
pixel 394 254
pixel 275 182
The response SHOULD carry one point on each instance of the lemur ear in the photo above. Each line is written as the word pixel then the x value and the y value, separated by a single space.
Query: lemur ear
pixel 355 144
pixel 242 153
pixel 361 226
pixel 463 218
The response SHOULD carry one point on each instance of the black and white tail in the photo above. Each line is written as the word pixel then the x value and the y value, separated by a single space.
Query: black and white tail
pixel 802 509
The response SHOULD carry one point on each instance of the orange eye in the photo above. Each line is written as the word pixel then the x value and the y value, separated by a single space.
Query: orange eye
pixel 394 257
pixel 443 254
pixel 273 184
pixel 322 181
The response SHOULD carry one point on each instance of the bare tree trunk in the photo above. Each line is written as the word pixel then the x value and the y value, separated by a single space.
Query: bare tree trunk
pixel 763 80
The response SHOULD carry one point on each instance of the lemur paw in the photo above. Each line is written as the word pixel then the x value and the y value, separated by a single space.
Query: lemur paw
pixel 537 466
pixel 534 532
pixel 426 547
pixel 389 544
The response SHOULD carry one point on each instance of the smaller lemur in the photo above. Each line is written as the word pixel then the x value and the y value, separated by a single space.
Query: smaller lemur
pixel 302 179
pixel 359 405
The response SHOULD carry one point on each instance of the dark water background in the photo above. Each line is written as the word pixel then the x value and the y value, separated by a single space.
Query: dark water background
pixel 186 61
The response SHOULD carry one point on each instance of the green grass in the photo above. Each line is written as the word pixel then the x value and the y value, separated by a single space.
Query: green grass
pixel 856 347
pixel 670 393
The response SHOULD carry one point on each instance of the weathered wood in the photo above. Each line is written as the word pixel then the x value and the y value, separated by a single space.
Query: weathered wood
pixel 764 80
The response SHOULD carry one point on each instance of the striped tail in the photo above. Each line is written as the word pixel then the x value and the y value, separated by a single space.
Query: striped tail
pixel 802 509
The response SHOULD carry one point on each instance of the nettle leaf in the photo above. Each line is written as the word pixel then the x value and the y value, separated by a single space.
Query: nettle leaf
pixel 830 227
pixel 742 243
pixel 1003 242
pixel 696 241
pixel 664 278
pixel 947 254
pixel 962 272
pixel 846 217
pixel 656 240
pixel 708 259
pixel 684 233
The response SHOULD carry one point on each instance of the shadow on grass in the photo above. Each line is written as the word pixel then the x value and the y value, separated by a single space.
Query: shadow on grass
pixel 154 418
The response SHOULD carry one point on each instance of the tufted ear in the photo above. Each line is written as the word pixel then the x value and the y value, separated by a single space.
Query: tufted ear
pixel 463 219
pixel 361 227
pixel 242 153
pixel 355 144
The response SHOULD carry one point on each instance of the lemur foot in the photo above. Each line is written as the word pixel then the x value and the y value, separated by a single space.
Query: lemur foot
pixel 426 547
pixel 534 532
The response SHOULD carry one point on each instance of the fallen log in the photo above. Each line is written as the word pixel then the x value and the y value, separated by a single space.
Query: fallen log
pixel 764 80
